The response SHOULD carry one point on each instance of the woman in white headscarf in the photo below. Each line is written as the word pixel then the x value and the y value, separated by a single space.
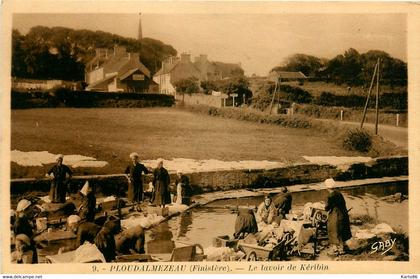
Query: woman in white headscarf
pixel 134 173
pixel 87 207
pixel 161 195
pixel 183 189
pixel 60 174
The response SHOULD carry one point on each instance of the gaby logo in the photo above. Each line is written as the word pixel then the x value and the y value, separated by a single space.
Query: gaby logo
pixel 383 246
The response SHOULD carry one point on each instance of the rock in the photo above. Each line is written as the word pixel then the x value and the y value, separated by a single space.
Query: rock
pixel 364 234
pixel 382 228
pixel 357 245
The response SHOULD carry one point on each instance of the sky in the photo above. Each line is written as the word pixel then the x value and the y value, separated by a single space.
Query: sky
pixel 258 41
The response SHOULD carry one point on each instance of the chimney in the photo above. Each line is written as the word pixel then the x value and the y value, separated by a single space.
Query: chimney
pixel 140 31
pixel 201 59
pixel 185 58
pixel 119 50
pixel 134 56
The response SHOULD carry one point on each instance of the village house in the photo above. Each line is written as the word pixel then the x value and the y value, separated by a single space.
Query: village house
pixel 117 71
pixel 174 69
pixel 213 70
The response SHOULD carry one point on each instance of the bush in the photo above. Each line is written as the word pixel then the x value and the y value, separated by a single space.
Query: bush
pixel 357 140
pixel 208 86
pixel 252 116
pixel 397 101
pixel 84 99
pixel 188 85
pixel 296 94
pixel 263 99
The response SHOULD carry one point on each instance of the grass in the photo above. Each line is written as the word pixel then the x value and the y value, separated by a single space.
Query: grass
pixel 350 114
pixel 317 87
pixel 111 134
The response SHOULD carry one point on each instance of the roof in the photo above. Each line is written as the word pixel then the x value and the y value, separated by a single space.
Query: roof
pixel 128 73
pixel 133 65
pixel 286 75
pixel 226 68
pixel 167 69
pixel 96 83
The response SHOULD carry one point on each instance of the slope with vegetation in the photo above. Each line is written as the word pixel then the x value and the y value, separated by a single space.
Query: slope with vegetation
pixel 61 53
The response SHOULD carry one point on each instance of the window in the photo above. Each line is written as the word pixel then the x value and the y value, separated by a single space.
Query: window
pixel 138 77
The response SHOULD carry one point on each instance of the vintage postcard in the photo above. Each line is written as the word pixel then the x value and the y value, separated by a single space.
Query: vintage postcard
pixel 210 137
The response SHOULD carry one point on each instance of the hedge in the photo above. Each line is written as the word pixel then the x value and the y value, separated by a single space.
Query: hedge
pixel 390 101
pixel 386 100
pixel 87 99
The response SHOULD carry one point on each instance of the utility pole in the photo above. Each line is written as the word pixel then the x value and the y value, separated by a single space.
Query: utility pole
pixel 274 95
pixel 370 91
pixel 377 97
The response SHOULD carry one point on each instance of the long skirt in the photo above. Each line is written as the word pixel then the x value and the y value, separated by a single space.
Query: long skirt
pixel 58 192
pixel 338 226
pixel 135 191
pixel 245 223
pixel 161 195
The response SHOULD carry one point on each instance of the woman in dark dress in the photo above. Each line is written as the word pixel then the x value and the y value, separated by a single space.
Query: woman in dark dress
pixel 161 195
pixel 245 223
pixel 283 204
pixel 338 218
pixel 60 175
pixel 134 173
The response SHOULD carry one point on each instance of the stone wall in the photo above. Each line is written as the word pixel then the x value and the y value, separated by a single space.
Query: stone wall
pixel 199 99
pixel 236 179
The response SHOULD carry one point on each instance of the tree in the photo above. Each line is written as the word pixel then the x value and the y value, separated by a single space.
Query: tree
pixel 208 86
pixel 346 68
pixel 18 54
pixel 307 64
pixel 187 85
pixel 61 53
pixel 355 69
pixel 392 70
pixel 235 85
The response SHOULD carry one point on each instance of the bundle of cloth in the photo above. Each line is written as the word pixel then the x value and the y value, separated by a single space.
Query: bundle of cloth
pixel 216 254
pixel 309 207
pixel 270 235
pixel 139 219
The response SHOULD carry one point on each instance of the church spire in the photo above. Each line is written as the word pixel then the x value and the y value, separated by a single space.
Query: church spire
pixel 140 34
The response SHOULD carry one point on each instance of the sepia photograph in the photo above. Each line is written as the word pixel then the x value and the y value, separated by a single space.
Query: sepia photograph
pixel 156 136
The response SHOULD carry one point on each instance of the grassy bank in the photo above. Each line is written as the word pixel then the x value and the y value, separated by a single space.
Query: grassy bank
pixel 199 132
pixel 112 134
pixel 317 87
pixel 350 114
